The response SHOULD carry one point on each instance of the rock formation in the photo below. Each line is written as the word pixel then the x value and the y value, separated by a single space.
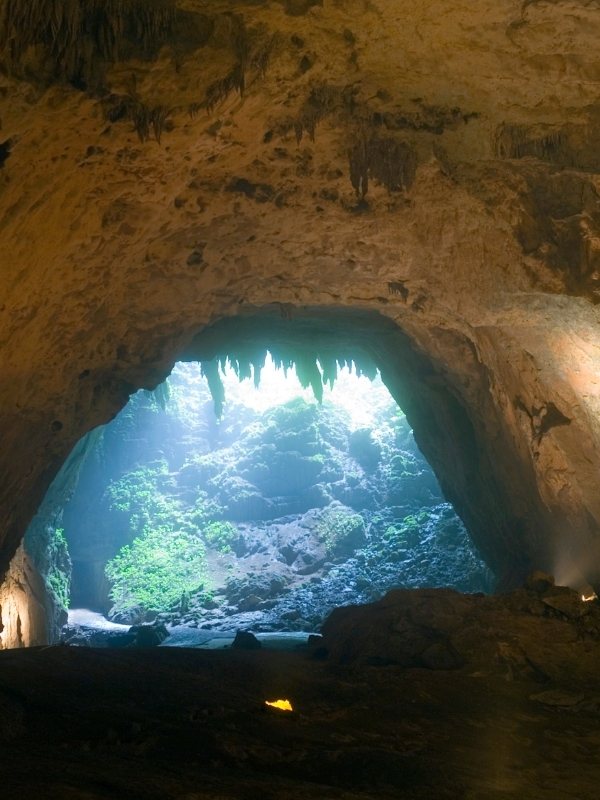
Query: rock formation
pixel 429 173
pixel 285 513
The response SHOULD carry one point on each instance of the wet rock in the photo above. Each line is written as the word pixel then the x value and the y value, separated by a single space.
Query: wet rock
pixel 148 635
pixel 244 640
pixel 441 629
pixel 568 603
pixel 250 603
pixel 12 715
pixel 441 655
pixel 364 448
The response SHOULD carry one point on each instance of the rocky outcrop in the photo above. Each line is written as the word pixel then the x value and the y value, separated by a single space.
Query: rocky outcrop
pixel 531 633
pixel 435 167
pixel 26 607
pixel 286 512
pixel 441 696
pixel 35 593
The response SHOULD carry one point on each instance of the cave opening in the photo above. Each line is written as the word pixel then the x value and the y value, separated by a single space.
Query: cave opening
pixel 262 519
pixel 269 479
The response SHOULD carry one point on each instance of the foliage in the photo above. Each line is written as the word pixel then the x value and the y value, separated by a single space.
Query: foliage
pixel 58 577
pixel 203 512
pixel 166 559
pixel 337 525
pixel 220 535
pixel 408 532
pixel 156 570
pixel 136 493
pixel 294 415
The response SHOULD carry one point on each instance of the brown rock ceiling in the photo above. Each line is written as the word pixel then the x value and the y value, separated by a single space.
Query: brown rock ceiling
pixel 475 245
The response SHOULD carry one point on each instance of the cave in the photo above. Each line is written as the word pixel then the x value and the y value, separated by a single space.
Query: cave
pixel 296 495
pixel 410 188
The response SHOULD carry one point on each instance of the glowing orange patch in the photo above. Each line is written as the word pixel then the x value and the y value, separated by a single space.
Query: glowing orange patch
pixel 589 597
pixel 282 705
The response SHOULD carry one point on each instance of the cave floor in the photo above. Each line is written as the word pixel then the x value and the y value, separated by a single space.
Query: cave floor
pixel 190 724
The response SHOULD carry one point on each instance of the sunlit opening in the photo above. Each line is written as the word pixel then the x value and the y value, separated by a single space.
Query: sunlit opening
pixel 361 398
pixel 265 517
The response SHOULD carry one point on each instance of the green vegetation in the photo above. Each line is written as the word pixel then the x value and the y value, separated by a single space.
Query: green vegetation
pixel 339 526
pixel 408 533
pixel 166 561
pixel 220 535
pixel 58 577
pixel 157 570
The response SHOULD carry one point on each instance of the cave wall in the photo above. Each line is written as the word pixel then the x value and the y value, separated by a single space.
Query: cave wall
pixel 25 607
pixel 436 166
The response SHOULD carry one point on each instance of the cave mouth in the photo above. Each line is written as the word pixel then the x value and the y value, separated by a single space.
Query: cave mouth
pixel 366 513
pixel 305 492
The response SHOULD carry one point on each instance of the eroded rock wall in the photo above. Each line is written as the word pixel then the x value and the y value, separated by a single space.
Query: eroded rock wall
pixel 435 164
pixel 25 606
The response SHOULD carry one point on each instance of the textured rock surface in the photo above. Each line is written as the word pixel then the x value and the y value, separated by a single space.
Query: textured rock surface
pixel 321 516
pixel 26 609
pixel 473 125
pixel 516 718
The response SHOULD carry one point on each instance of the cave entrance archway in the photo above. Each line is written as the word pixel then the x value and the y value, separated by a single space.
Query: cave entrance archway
pixel 285 508
pixel 452 417
pixel 437 378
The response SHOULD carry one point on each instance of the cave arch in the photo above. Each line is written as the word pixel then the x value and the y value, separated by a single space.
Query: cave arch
pixel 449 394
pixel 471 474
pixel 478 237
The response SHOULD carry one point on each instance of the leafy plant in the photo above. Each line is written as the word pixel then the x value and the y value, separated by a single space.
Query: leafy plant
pixel 220 535
pixel 166 559
pixel 156 570
pixel 337 525
pixel 58 577
pixel 408 532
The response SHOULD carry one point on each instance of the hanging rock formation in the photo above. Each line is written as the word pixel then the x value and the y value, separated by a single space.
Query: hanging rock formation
pixel 165 165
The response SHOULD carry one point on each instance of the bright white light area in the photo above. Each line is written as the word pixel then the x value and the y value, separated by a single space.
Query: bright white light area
pixel 360 397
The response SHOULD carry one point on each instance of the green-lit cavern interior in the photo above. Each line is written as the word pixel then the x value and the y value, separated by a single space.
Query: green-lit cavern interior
pixel 239 517
pixel 409 187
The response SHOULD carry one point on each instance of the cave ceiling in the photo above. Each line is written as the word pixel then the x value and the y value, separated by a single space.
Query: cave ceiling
pixel 164 165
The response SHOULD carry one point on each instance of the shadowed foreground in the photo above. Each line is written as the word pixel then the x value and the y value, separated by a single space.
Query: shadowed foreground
pixel 426 694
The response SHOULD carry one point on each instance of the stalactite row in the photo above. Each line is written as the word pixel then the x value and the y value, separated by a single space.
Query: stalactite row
pixel 515 141
pixel 391 162
pixel 149 122
pixel 314 368
pixel 78 35
pixel 322 101
pixel 387 159
pixel 252 49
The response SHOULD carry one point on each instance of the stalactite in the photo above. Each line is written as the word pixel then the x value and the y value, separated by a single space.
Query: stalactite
pixel 252 49
pixel 391 162
pixel 516 141
pixel 314 367
pixel 79 35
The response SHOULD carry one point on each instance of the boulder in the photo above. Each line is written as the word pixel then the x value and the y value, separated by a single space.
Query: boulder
pixel 244 640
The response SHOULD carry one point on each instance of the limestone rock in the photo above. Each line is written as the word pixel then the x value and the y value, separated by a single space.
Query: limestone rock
pixel 431 178
pixel 539 582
